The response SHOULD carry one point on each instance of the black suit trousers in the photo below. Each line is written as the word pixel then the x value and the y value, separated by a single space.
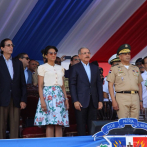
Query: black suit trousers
pixel 85 117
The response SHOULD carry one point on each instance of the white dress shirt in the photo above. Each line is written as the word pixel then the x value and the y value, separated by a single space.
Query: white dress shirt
pixel 26 74
pixel 88 71
pixel 105 88
pixel 144 89
pixel 9 66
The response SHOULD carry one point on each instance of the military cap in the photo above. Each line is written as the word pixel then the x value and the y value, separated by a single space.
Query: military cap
pixel 125 48
pixel 113 58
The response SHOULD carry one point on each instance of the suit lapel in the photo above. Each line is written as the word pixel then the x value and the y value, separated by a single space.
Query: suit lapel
pixel 84 72
pixel 91 68
pixel 14 68
pixel 4 67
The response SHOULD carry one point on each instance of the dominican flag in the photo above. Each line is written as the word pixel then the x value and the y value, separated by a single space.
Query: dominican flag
pixel 100 25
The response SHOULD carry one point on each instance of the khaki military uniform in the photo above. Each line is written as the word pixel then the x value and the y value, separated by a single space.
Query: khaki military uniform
pixel 126 80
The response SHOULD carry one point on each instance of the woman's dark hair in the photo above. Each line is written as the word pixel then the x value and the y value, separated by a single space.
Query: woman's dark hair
pixel 2 44
pixel 48 48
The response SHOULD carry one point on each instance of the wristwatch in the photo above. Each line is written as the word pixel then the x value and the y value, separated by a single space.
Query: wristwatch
pixel 141 100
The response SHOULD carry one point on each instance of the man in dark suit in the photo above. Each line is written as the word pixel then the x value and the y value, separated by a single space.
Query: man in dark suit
pixel 86 91
pixel 74 60
pixel 12 90
pixel 24 58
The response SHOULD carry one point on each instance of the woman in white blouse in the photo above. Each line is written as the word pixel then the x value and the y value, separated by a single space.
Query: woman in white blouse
pixel 52 108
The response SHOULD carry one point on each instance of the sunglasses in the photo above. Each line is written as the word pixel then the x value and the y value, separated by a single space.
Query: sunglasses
pixel 51 53
pixel 77 60
pixel 139 63
pixel 27 58
pixel 10 45
pixel 126 54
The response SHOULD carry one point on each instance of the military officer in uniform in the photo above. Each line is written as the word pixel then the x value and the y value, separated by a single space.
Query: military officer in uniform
pixel 113 60
pixel 127 80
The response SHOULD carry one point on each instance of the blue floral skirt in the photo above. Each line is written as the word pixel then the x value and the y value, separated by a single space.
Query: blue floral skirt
pixel 56 113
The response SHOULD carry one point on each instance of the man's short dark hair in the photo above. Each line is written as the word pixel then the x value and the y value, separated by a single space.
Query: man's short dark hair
pixel 73 57
pixel 143 62
pixel 32 60
pixel 2 44
pixel 95 62
pixel 58 58
pixel 21 55
pixel 138 60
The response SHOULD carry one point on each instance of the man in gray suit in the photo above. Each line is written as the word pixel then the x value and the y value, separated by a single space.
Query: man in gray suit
pixel 24 58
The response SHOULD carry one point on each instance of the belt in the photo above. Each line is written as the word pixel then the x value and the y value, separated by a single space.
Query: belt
pixel 130 92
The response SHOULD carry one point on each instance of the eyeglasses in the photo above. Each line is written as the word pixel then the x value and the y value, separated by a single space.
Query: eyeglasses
pixel 27 58
pixel 86 53
pixel 77 59
pixel 51 53
pixel 139 63
pixel 10 45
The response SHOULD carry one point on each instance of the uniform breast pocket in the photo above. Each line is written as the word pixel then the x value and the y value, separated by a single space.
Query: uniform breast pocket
pixel 135 77
pixel 120 78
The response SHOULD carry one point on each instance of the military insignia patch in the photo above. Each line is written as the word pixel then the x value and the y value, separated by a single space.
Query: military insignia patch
pixel 110 71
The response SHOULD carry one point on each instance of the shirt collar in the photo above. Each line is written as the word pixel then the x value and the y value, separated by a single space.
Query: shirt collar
pixel 84 64
pixel 123 65
pixel 26 69
pixel 8 59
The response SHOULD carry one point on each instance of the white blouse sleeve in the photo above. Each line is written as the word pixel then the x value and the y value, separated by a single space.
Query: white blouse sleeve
pixel 41 70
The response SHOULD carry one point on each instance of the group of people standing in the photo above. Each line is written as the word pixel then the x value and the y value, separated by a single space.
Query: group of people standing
pixel 86 89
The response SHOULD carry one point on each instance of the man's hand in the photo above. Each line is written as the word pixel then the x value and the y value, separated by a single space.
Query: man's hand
pixel 77 105
pixel 22 105
pixel 63 58
pixel 100 105
pixel 141 105
pixel 115 105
